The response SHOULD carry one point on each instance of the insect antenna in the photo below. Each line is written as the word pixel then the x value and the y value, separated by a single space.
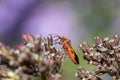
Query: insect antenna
pixel 55 35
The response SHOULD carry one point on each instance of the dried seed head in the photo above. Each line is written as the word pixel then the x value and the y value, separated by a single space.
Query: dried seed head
pixel 105 54
pixel 36 57
pixel 28 38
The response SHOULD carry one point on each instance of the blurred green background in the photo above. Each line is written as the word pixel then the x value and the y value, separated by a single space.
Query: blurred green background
pixel 78 20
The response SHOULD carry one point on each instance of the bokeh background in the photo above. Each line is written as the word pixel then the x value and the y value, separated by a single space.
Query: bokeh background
pixel 78 20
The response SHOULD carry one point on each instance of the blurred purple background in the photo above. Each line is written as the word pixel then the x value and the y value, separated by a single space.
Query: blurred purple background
pixel 12 14
pixel 35 17
pixel 78 20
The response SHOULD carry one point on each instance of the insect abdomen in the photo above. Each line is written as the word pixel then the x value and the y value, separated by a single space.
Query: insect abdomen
pixel 72 54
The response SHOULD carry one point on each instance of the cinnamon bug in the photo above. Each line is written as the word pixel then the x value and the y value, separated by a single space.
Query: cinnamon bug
pixel 68 47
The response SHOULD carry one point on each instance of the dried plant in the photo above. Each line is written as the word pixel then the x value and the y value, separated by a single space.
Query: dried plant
pixel 41 59
pixel 105 54
pixel 35 58
pixel 82 74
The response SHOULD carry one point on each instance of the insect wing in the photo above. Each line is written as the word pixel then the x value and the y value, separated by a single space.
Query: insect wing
pixel 72 54
pixel 74 57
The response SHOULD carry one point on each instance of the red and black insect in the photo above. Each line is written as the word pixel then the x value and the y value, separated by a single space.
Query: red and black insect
pixel 68 47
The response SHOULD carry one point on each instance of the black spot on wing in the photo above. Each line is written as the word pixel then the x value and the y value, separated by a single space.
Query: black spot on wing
pixel 77 59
